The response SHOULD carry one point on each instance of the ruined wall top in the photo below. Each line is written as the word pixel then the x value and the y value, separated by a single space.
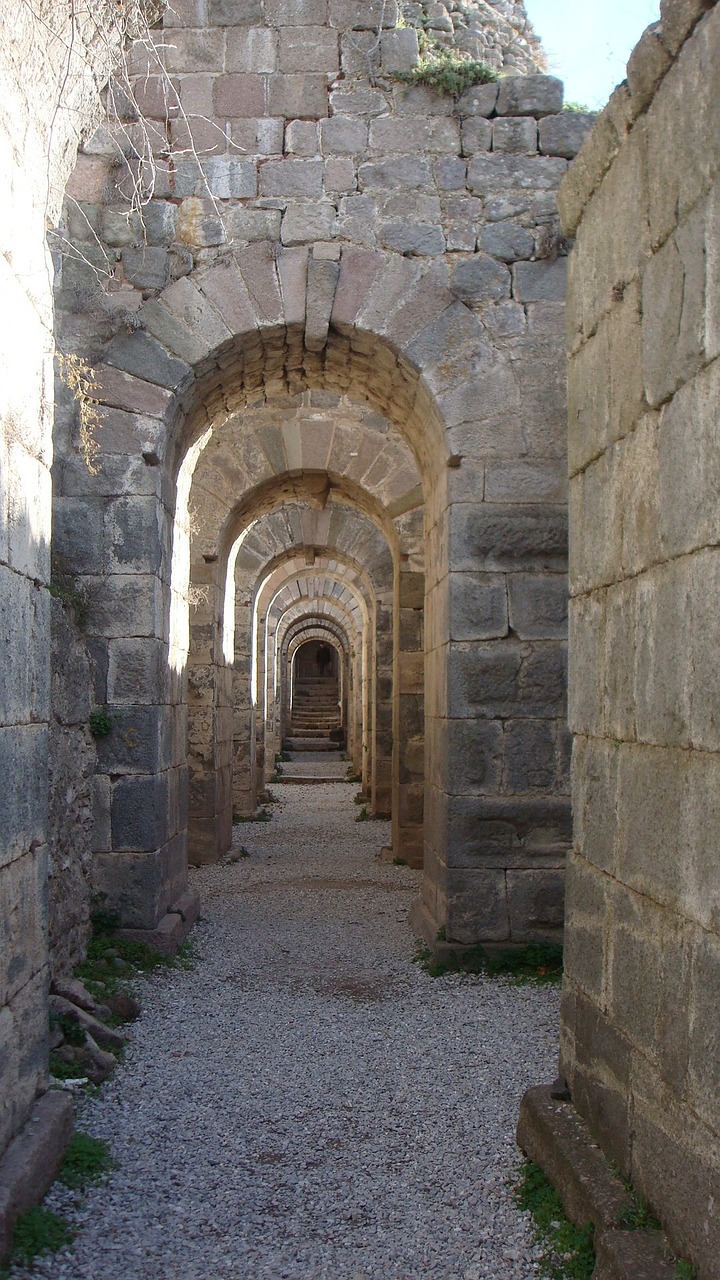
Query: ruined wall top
pixel 652 58
pixel 495 31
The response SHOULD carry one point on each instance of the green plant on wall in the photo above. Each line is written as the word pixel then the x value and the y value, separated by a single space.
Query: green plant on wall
pixel 446 70
pixel 100 722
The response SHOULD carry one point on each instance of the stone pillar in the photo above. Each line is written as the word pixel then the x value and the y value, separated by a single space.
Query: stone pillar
pixel 382 712
pixel 408 718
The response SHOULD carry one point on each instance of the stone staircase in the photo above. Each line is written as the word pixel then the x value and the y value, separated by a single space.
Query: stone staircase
pixel 315 715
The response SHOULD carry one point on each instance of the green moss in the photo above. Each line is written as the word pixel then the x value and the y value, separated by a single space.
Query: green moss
pixel 100 722
pixel 568 1251
pixel 685 1270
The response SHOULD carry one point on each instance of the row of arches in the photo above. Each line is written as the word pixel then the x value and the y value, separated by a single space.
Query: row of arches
pixel 263 484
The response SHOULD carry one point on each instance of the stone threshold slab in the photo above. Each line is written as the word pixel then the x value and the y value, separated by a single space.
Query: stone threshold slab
pixel 31 1162
pixel 172 930
pixel 551 1133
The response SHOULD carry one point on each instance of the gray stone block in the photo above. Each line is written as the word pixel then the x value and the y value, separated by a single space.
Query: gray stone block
pixel 476 906
pixel 536 901
pixel 227 177
pixel 306 222
pixel 481 279
pixel 538 605
pixel 543 281
pixel 497 172
pixel 235 13
pixel 534 95
pixel 507 241
pixel 412 238
pixel 403 171
pixel 343 135
pixel 139 813
pixel 291 178
pixel 480 100
pixel 146 268
pixel 23 802
pixel 141 355
pixel 498 537
pixel 476 135
pixel 530 763
pixel 515 135
pixel 133 534
pixel 564 134
pixel 399 50
pixel 478 606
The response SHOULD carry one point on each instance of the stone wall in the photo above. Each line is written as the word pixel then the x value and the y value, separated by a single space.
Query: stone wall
pixel 70 792
pixel 641 1017
pixel 38 142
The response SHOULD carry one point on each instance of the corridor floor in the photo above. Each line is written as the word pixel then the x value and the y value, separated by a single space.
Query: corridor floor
pixel 307 1103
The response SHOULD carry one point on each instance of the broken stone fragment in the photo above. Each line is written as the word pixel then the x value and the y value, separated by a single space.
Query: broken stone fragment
pixel 92 1026
pixel 73 990
pixel 98 1062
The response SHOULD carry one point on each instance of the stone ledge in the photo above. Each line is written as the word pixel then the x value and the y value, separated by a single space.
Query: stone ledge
pixel 170 932
pixel 32 1160
pixel 551 1133
pixel 633 1255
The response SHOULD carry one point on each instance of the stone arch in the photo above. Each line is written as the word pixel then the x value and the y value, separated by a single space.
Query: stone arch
pixel 394 335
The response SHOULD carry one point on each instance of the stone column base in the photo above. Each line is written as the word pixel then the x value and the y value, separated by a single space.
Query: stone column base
pixel 172 930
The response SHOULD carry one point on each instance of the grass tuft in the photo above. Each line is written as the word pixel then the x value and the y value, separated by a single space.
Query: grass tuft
pixel 568 1252
pixel 538 964
pixel 86 1160
pixel 37 1232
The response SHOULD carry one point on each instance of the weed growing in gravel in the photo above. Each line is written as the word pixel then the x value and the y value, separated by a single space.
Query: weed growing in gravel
pixel 400 862
pixel 568 1251
pixel 353 777
pixel 37 1232
pixel 85 1161
pixel 282 757
pixel 363 815
pixel 537 964
pixel 238 854
pixel 685 1270
pixel 359 798
pixel 263 815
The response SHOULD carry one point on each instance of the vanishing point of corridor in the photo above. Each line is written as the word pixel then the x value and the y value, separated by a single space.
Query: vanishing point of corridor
pixel 306 1102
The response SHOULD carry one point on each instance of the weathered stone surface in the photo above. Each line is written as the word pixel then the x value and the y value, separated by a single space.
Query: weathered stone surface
pixel 553 1134
pixel 507 241
pixel 481 279
pixel 564 134
pixel 495 172
pixel 533 95
pixel 515 135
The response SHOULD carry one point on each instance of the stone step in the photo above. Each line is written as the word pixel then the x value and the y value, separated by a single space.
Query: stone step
pixel 309 744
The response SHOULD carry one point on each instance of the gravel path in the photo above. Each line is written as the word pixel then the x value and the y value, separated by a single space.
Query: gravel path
pixel 306 1103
